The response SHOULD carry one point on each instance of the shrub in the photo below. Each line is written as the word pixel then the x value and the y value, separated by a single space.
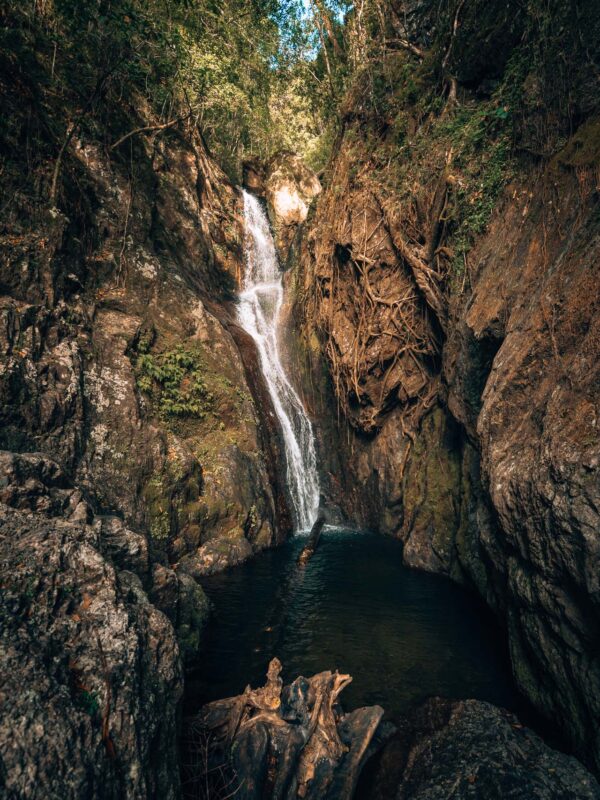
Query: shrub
pixel 175 382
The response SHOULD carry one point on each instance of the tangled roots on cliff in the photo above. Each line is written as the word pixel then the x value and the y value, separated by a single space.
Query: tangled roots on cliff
pixel 378 299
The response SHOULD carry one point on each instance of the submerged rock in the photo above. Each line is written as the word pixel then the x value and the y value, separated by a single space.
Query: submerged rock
pixel 292 741
pixel 310 547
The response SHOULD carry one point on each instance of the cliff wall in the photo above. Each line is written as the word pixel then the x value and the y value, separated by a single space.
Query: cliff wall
pixel 138 452
pixel 449 276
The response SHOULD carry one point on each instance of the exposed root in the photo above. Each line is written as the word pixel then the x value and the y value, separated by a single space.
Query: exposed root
pixel 377 295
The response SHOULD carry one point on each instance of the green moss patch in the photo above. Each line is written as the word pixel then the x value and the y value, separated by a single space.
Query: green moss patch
pixel 583 149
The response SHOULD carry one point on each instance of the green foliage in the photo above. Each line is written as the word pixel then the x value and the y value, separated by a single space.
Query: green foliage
pixel 175 382
pixel 475 204
pixel 560 57
pixel 260 75
pixel 221 65
pixel 480 136
pixel 89 703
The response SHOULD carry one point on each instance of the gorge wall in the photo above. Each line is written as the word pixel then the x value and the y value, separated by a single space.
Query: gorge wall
pixel 443 308
pixel 138 448
pixel 447 282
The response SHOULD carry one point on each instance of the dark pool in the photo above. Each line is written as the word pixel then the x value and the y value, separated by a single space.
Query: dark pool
pixel 402 635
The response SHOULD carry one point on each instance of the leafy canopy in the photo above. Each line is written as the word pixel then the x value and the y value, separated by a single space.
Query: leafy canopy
pixel 256 75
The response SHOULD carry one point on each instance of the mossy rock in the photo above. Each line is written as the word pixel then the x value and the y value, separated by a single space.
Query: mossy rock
pixel 431 497
pixel 582 149
pixel 194 612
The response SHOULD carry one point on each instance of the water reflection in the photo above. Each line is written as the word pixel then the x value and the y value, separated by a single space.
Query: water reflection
pixel 402 635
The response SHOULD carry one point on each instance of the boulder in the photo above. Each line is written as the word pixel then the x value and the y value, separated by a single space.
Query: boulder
pixel 90 669
pixel 468 750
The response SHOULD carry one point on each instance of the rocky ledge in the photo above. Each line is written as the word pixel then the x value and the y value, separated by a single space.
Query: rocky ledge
pixel 469 749
pixel 91 638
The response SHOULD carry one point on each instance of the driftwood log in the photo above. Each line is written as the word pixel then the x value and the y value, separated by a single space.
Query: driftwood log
pixel 310 547
pixel 293 741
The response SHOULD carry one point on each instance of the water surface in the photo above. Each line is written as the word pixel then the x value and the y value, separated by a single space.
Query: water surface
pixel 402 635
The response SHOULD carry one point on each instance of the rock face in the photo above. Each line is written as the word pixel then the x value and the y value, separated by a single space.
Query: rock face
pixel 293 741
pixel 90 669
pixel 471 749
pixel 364 299
pixel 288 187
pixel 116 354
pixel 132 383
pixel 537 430
pixel 471 387
pixel 134 459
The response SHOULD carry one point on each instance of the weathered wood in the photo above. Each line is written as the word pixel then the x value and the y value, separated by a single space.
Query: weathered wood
pixel 310 547
pixel 293 741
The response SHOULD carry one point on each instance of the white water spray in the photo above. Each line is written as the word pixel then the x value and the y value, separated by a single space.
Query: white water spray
pixel 258 311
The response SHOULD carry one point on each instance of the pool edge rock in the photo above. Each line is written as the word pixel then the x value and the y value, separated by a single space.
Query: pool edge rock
pixel 488 470
pixel 470 749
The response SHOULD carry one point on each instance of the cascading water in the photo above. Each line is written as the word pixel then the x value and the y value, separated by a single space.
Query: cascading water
pixel 258 311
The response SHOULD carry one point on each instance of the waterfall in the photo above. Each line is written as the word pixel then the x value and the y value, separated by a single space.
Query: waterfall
pixel 258 310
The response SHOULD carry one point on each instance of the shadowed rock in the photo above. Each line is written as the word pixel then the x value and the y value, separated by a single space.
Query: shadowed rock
pixel 471 750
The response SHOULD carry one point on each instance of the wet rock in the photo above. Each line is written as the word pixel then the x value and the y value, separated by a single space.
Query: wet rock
pixel 183 601
pixel 432 485
pixel 253 176
pixel 473 750
pixel 289 187
pixel 310 547
pixel 270 438
pixel 216 555
pixel 90 669
pixel 292 741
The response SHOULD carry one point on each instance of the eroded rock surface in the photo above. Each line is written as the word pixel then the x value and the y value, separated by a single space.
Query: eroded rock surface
pixel 472 750
pixel 91 674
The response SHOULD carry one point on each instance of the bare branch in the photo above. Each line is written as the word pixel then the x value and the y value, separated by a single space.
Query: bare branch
pixel 149 128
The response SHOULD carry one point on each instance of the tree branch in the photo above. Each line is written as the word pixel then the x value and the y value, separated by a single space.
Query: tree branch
pixel 148 128
pixel 412 48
